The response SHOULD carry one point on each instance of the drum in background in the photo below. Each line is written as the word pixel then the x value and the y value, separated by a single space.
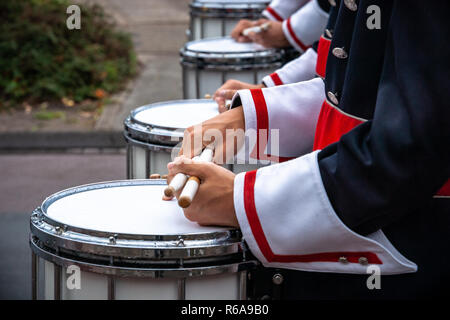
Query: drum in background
pixel 127 243
pixel 153 131
pixel 213 18
pixel 208 63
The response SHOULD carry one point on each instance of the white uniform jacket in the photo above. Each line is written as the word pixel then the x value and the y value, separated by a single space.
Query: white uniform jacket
pixel 279 10
pixel 303 21
pixel 300 69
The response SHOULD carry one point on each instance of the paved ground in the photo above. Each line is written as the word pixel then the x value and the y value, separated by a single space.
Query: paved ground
pixel 158 29
pixel 26 179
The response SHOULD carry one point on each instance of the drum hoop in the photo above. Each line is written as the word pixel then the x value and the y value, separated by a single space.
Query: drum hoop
pixel 144 272
pixel 267 52
pixel 132 140
pixel 158 141
pixel 226 6
pixel 159 104
pixel 173 246
pixel 41 214
pixel 147 132
pixel 146 250
pixel 213 13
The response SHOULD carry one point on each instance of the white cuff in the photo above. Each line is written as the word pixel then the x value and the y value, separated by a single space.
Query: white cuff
pixel 305 26
pixel 301 69
pixel 270 14
pixel 287 113
pixel 288 222
pixel 278 10
pixel 268 81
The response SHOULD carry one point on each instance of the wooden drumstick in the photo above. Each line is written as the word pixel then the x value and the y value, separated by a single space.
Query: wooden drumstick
pixel 193 183
pixel 180 178
pixel 256 29
pixel 189 191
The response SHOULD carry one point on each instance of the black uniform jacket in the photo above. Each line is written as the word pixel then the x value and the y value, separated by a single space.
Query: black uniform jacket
pixel 386 149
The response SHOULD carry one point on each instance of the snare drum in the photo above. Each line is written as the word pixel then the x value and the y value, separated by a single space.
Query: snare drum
pixel 153 131
pixel 208 63
pixel 213 18
pixel 119 240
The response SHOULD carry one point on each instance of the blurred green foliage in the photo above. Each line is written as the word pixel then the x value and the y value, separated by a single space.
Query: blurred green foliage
pixel 41 59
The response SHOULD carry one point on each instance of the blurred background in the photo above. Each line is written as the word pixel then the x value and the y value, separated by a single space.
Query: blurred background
pixel 63 97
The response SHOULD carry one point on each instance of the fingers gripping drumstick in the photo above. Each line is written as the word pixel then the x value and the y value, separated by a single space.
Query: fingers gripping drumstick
pixel 192 184
pixel 177 182
pixel 257 29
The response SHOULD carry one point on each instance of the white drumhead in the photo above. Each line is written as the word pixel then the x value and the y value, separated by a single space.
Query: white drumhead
pixel 178 115
pixel 224 45
pixel 133 209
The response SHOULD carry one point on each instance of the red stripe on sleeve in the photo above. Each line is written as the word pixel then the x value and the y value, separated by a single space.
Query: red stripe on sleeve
pixel 266 250
pixel 294 36
pixel 274 14
pixel 262 123
pixel 276 79
pixel 262 120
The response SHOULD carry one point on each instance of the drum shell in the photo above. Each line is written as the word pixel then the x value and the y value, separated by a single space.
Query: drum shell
pixel 198 81
pixel 134 266
pixel 205 71
pixel 98 286
pixel 144 159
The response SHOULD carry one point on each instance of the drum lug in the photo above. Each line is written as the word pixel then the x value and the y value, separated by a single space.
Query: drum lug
pixel 244 249
pixel 113 239
pixel 180 242
pixel 58 230
pixel 277 279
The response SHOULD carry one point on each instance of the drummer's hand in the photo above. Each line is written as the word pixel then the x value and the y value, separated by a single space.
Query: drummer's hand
pixel 214 202
pixel 228 89
pixel 243 24
pixel 271 38
pixel 219 130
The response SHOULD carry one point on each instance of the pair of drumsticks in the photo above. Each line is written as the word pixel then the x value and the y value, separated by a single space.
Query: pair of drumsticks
pixel 191 184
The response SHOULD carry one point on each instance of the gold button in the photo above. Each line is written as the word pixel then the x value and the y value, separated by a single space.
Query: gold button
pixel 339 53
pixel 332 3
pixel 333 97
pixel 343 259
pixel 351 4
pixel 363 260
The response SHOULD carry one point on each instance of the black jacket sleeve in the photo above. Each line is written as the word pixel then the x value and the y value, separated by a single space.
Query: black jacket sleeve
pixel 387 167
